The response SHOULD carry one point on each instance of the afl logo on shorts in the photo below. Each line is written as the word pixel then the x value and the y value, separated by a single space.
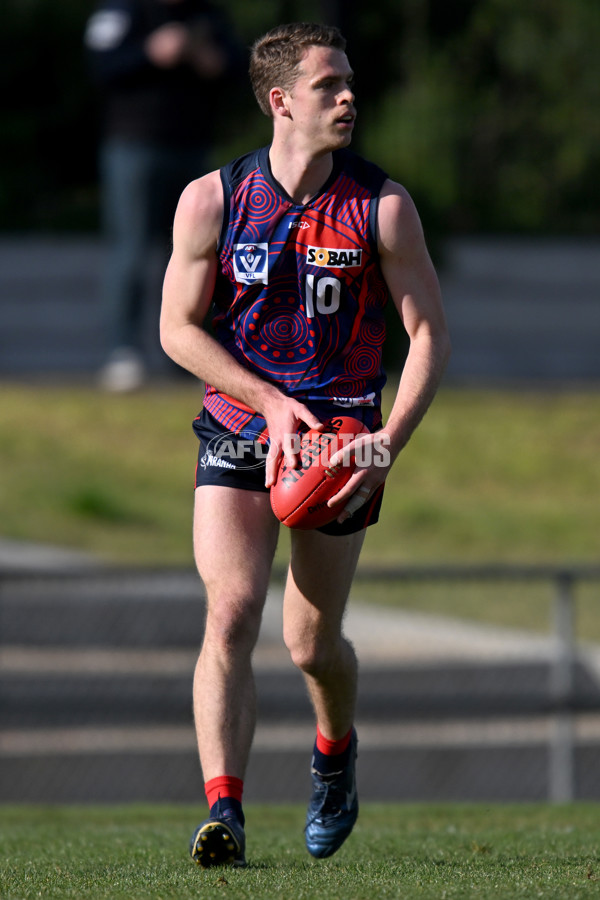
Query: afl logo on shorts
pixel 333 259
pixel 251 263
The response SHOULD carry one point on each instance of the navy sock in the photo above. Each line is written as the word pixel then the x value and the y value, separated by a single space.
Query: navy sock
pixel 328 764
pixel 228 806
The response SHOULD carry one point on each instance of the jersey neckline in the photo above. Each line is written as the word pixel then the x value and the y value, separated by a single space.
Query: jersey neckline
pixel 265 167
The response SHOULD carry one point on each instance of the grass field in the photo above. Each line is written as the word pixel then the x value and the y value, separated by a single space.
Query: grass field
pixel 396 851
pixel 490 475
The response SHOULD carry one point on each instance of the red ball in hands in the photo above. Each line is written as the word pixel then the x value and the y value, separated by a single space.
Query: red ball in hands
pixel 299 496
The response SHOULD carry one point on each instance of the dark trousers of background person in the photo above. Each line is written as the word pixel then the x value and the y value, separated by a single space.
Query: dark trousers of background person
pixel 141 184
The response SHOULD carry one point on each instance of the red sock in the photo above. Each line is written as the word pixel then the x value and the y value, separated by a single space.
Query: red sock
pixel 224 786
pixel 332 748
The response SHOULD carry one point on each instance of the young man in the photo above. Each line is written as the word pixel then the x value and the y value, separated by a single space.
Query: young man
pixel 297 247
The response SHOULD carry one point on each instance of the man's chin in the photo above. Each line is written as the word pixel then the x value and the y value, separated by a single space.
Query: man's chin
pixel 340 141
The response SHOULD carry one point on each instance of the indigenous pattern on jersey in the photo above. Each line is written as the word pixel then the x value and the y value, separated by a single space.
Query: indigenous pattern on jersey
pixel 300 298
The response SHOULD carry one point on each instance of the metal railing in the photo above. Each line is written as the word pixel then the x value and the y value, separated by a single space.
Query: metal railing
pixel 564 701
pixel 107 587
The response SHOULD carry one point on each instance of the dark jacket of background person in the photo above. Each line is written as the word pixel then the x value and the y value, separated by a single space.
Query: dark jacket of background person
pixel 143 100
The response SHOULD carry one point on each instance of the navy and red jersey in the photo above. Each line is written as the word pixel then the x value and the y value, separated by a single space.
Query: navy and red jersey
pixel 299 298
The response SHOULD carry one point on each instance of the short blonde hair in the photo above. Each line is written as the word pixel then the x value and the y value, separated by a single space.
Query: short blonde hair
pixel 276 57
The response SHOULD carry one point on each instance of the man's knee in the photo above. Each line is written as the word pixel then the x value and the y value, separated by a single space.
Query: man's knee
pixel 314 655
pixel 233 621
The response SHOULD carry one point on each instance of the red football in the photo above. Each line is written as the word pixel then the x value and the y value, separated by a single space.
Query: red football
pixel 299 496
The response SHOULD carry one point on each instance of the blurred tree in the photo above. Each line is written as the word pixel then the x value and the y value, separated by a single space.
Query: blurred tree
pixel 494 123
pixel 488 110
pixel 48 117
pixel 533 74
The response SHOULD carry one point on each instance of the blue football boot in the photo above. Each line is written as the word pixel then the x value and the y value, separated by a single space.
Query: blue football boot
pixel 219 841
pixel 333 808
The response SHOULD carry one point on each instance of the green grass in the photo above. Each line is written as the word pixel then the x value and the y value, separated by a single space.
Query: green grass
pixel 490 475
pixel 396 851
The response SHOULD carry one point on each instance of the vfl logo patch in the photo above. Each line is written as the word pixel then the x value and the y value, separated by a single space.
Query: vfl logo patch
pixel 334 259
pixel 251 263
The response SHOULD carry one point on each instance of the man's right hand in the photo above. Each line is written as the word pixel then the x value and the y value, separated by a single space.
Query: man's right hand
pixel 284 417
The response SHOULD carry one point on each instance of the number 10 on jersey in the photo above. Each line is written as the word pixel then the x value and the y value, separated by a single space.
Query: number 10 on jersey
pixel 323 294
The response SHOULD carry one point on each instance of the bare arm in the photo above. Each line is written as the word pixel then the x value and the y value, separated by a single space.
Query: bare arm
pixel 415 291
pixel 414 288
pixel 187 294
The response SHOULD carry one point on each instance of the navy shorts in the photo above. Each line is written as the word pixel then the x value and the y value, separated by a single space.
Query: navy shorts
pixel 230 461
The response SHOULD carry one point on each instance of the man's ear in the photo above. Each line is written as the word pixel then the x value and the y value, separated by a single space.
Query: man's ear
pixel 278 99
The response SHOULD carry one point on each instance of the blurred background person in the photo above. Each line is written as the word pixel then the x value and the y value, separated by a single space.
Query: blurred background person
pixel 161 67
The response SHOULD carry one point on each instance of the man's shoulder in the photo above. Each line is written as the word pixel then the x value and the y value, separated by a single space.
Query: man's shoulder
pixel 238 169
pixel 362 170
pixel 201 203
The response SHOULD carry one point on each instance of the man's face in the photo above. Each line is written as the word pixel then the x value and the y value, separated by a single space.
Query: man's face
pixel 321 102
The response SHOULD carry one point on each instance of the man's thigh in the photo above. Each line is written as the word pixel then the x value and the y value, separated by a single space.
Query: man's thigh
pixel 319 580
pixel 235 536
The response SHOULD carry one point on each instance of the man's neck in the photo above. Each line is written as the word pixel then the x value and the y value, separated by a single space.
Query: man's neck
pixel 301 176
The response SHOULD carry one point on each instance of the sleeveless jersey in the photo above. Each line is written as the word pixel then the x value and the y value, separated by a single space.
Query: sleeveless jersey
pixel 299 298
